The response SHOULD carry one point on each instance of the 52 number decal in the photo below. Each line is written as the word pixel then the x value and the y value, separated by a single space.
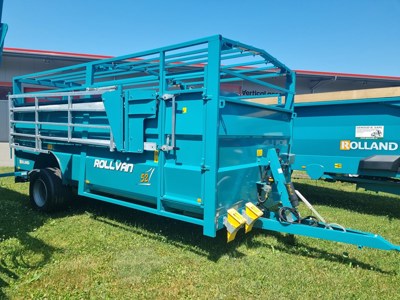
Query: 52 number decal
pixel 145 177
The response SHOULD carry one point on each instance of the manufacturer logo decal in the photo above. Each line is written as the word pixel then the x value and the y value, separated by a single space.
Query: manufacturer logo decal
pixel 110 165
pixel 348 145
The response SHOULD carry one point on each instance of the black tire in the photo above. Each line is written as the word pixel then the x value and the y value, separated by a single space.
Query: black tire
pixel 46 191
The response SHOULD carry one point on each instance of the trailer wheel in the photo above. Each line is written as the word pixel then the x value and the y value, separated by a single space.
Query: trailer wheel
pixel 46 191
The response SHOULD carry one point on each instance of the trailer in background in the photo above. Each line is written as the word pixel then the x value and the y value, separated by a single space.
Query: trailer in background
pixel 351 136
pixel 3 30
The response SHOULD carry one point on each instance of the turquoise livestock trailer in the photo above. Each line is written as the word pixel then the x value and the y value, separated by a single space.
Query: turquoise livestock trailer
pixel 161 131
pixel 351 136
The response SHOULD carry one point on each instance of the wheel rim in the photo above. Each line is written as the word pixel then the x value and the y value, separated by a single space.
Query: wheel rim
pixel 39 192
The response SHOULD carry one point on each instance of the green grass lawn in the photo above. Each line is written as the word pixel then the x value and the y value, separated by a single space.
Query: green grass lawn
pixel 95 250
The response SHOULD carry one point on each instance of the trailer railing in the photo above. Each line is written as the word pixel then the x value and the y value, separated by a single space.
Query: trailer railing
pixel 208 66
pixel 35 137
pixel 176 69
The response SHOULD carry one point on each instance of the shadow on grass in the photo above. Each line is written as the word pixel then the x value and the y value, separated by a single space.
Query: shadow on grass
pixel 177 233
pixel 371 204
pixel 190 237
pixel 289 244
pixel 16 222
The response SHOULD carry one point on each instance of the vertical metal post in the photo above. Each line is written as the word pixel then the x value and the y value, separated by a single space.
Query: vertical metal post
pixel 1 8
pixel 11 122
pixel 210 157
pixel 17 89
pixel 69 118
pixel 161 127
pixel 89 75
pixel 112 144
pixel 3 30
pixel 173 122
pixel 289 101
pixel 37 140
pixel 291 86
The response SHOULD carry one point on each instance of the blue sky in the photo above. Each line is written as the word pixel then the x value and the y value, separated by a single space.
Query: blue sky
pixel 352 36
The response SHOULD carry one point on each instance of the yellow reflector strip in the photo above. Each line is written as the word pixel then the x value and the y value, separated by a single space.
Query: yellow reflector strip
pixel 259 152
pixel 156 156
